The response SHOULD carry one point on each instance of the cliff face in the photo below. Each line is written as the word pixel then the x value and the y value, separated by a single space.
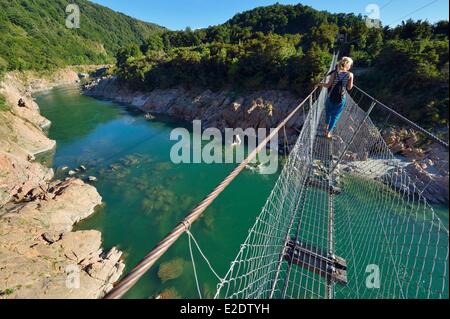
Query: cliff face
pixel 40 256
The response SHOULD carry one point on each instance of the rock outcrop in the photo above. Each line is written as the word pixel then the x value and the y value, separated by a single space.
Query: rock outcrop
pixel 428 170
pixel 20 176
pixel 40 256
pixel 16 86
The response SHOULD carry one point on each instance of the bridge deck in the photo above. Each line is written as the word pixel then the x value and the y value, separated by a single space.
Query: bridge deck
pixel 311 226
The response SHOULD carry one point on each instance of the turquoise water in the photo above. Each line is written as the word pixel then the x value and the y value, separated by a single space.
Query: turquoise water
pixel 145 195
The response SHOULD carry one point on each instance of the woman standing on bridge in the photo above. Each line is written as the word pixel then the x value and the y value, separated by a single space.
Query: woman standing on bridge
pixel 340 82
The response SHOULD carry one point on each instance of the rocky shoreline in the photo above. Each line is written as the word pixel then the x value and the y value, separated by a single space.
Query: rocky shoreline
pixel 221 109
pixel 40 255
pixel 427 166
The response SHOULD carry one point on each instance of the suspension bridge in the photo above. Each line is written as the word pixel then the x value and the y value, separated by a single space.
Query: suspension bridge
pixel 344 220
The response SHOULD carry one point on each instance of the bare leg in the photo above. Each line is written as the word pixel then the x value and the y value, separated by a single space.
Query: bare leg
pixel 328 133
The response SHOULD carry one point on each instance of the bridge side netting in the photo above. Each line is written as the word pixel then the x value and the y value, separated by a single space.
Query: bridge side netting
pixel 348 197
pixel 383 222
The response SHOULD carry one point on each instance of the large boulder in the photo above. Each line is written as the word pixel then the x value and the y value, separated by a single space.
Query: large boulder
pixel 20 176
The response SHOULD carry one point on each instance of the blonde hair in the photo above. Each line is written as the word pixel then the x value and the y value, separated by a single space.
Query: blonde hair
pixel 345 62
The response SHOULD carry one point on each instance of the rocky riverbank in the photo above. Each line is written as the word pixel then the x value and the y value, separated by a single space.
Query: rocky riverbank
pixel 221 109
pixel 428 168
pixel 40 255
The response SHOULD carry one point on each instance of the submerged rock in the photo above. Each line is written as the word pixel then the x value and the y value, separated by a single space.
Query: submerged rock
pixel 208 220
pixel 169 293
pixel 163 166
pixel 130 160
pixel 141 184
pixel 171 270
pixel 158 199
pixel 115 167
pixel 208 293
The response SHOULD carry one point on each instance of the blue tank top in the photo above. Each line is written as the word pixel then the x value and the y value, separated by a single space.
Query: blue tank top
pixel 344 76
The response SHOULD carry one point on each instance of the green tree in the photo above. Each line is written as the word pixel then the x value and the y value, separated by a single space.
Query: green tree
pixel 153 43
pixel 131 51
pixel 441 29
pixel 324 35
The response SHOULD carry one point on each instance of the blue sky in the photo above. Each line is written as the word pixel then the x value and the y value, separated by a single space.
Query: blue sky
pixel 178 14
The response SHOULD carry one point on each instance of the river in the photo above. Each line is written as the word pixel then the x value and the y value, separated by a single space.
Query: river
pixel 145 194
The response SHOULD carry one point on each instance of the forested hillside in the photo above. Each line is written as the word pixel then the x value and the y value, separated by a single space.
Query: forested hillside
pixel 33 34
pixel 411 71
pixel 279 46
pixel 254 50
pixel 289 47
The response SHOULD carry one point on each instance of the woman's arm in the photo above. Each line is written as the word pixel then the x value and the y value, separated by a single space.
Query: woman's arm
pixel 350 82
pixel 329 83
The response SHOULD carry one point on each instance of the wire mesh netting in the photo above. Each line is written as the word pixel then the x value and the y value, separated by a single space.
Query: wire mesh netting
pixel 346 219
